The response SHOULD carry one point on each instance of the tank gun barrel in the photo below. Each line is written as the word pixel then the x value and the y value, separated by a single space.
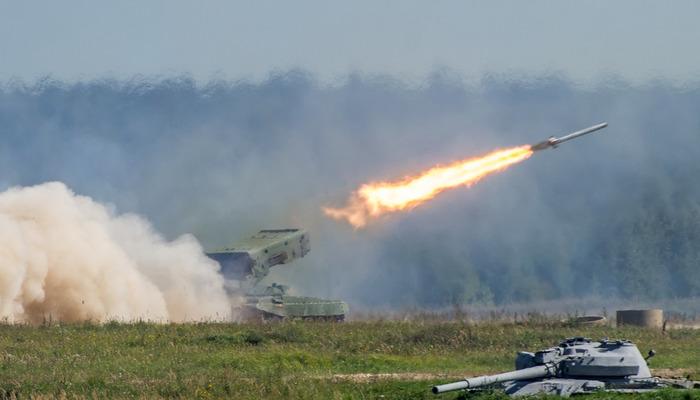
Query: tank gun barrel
pixel 539 371
pixel 553 142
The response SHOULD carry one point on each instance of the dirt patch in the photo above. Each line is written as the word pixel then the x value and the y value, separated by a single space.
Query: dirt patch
pixel 396 376
pixel 669 325
pixel 672 373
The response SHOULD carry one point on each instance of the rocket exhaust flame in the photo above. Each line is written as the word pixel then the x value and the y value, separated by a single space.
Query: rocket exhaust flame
pixel 372 200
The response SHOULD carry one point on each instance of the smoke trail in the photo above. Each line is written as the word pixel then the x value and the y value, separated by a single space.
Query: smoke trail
pixel 68 258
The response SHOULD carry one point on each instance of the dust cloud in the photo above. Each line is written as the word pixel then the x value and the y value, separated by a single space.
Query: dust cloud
pixel 65 257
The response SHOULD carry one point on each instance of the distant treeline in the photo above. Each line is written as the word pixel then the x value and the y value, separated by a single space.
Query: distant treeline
pixel 616 213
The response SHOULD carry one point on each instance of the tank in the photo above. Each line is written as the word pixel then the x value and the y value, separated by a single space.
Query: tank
pixel 577 365
pixel 245 263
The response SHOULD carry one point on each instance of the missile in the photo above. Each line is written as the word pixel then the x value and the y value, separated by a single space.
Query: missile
pixel 553 142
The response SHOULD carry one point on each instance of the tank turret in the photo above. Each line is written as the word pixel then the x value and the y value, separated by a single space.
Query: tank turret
pixel 576 365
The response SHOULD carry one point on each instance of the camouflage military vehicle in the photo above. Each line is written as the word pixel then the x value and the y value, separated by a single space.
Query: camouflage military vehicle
pixel 246 263
pixel 578 365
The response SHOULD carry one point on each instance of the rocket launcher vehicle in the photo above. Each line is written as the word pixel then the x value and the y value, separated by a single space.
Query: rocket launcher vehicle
pixel 247 262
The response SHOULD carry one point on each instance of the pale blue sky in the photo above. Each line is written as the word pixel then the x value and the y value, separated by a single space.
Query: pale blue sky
pixel 585 40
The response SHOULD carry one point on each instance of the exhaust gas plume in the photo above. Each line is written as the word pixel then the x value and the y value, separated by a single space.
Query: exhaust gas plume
pixel 372 200
pixel 375 199
pixel 65 257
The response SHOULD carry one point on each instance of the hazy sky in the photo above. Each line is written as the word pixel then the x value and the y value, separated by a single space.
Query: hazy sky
pixel 584 40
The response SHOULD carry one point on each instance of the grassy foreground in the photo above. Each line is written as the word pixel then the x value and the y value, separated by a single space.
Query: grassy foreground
pixel 290 360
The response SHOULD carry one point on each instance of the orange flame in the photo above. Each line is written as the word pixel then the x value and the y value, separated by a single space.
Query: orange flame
pixel 372 200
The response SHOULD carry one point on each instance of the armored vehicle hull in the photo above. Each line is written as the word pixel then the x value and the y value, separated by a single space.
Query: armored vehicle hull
pixel 283 307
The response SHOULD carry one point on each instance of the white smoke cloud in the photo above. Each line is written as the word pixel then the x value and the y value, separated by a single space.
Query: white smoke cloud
pixel 66 257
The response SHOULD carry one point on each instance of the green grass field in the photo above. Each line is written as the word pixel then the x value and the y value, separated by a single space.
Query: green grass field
pixel 290 360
